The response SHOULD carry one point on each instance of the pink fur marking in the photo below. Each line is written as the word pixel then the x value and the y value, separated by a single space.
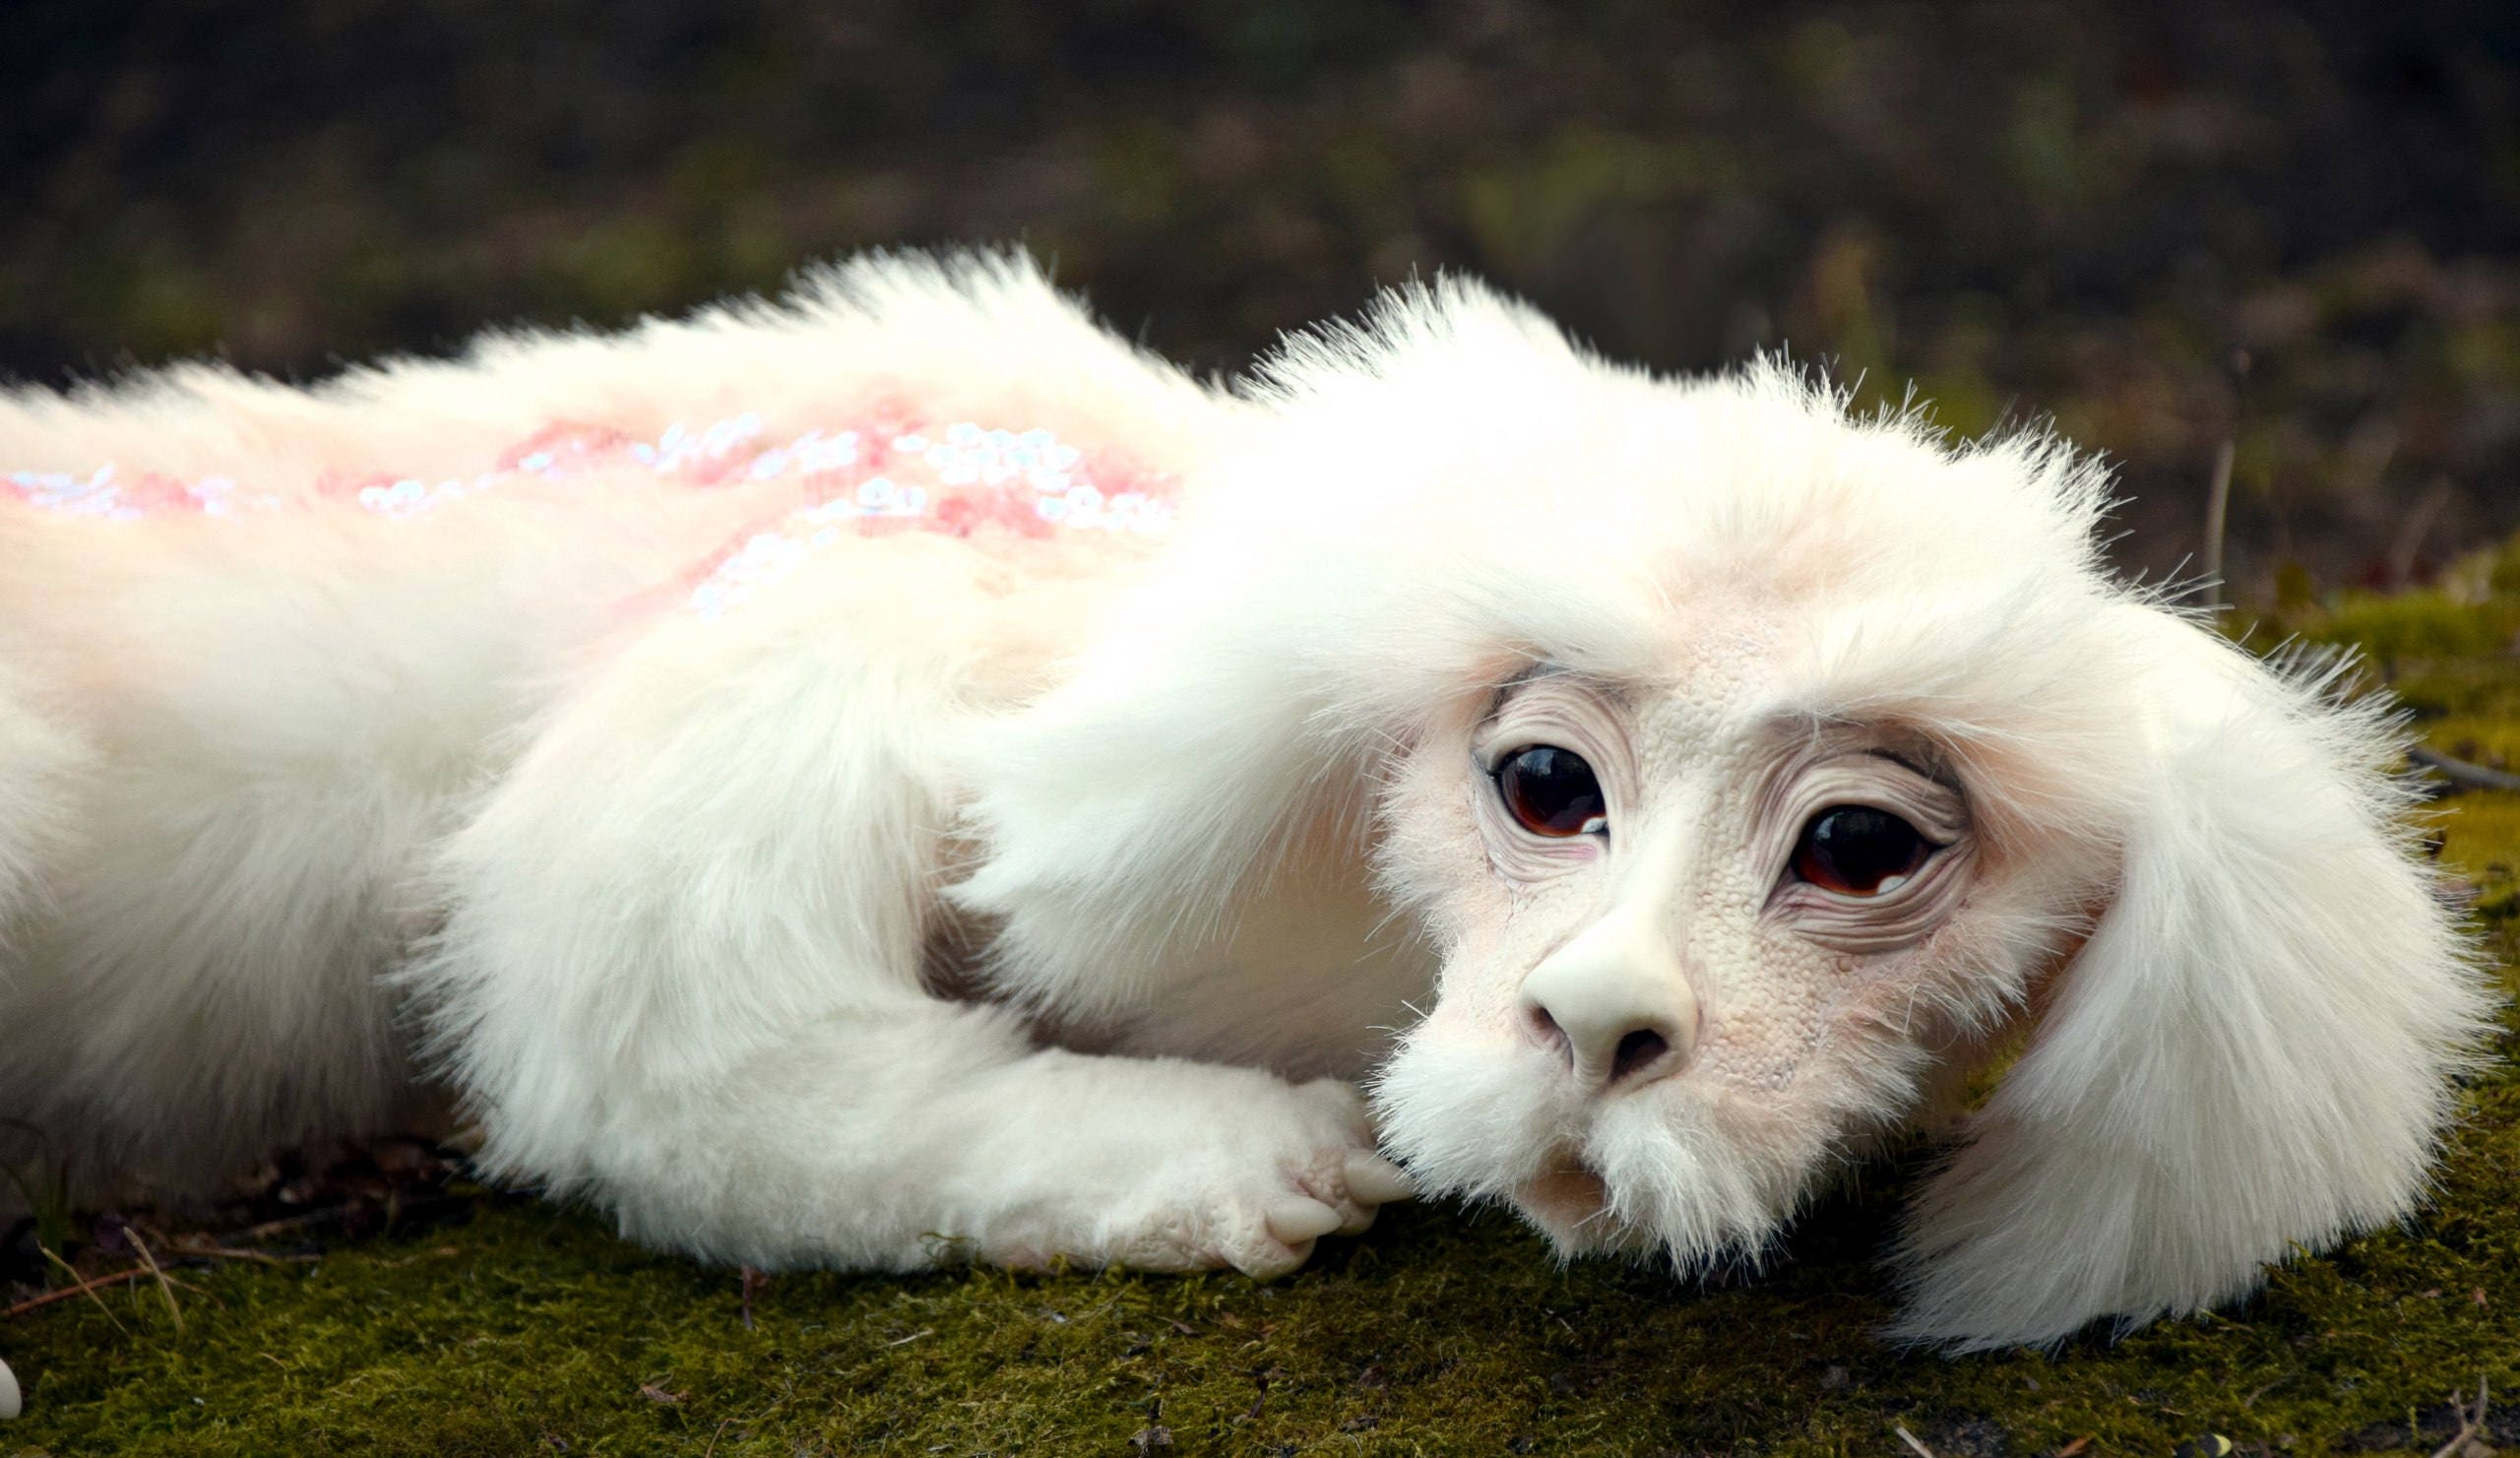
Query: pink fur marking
pixel 891 473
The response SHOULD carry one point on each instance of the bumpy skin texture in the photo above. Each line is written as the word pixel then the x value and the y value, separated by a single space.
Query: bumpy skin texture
pixel 997 892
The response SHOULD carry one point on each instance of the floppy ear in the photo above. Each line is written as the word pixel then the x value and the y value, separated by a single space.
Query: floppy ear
pixel 2255 1049
pixel 1351 560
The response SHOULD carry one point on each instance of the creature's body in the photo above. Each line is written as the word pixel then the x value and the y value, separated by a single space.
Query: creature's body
pixel 906 776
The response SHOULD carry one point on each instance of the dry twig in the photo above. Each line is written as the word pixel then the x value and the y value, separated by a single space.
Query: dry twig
pixel 2218 508
pixel 2461 774
pixel 85 1286
pixel 2398 567
pixel 2471 1424
pixel 2217 494
pixel 284 1225
pixel 195 1248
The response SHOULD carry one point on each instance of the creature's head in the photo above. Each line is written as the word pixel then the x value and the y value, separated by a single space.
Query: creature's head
pixel 1758 771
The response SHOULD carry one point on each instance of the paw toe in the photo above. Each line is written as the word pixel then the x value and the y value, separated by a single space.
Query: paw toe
pixel 1293 1220
pixel 1372 1180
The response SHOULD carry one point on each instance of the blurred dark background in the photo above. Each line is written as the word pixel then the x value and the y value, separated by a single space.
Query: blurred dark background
pixel 2030 210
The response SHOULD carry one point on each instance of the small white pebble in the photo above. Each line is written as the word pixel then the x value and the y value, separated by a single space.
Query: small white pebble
pixel 10 1403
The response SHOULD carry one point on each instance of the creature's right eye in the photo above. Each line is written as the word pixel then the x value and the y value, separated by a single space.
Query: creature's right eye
pixel 1859 851
pixel 1551 791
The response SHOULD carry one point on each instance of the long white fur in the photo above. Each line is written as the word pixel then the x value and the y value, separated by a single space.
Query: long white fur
pixel 300 820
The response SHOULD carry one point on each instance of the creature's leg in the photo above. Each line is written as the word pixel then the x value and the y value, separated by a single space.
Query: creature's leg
pixel 189 947
pixel 680 976
pixel 897 1137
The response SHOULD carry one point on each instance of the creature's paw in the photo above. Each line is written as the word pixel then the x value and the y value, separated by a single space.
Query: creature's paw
pixel 1270 1171
pixel 1285 1176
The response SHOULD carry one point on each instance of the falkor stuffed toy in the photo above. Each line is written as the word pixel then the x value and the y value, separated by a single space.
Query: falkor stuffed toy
pixel 900 776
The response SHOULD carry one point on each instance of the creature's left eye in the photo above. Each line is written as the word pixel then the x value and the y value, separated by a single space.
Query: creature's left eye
pixel 1859 851
pixel 1551 791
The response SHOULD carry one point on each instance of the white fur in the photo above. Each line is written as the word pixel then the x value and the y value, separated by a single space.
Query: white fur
pixel 689 912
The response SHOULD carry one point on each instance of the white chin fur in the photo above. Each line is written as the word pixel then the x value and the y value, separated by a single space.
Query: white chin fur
pixel 1647 1172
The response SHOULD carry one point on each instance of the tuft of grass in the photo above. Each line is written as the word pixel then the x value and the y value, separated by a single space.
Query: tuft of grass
pixel 527 1328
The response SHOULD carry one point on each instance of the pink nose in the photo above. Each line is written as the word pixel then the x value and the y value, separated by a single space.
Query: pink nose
pixel 1617 1002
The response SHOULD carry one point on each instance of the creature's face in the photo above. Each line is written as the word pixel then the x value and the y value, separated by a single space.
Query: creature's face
pixel 1754 768
pixel 1696 949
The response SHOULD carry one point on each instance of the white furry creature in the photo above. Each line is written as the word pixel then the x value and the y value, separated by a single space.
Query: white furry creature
pixel 898 775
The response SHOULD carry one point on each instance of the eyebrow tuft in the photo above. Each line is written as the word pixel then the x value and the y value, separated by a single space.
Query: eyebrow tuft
pixel 1530 673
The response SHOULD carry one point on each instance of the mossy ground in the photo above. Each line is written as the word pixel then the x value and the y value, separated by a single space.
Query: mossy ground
pixel 519 1327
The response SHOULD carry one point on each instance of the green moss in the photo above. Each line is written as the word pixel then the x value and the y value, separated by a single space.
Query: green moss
pixel 1441 1333
pixel 2422 626
pixel 2467 622
pixel 527 1328
pixel 2481 840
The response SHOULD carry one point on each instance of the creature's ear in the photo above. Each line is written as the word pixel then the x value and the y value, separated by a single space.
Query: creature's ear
pixel 1349 560
pixel 2255 1049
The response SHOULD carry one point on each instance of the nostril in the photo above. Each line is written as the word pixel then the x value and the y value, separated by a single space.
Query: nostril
pixel 1546 1031
pixel 1638 1050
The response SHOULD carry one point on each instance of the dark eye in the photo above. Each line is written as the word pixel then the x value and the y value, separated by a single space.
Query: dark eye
pixel 1859 851
pixel 1551 791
